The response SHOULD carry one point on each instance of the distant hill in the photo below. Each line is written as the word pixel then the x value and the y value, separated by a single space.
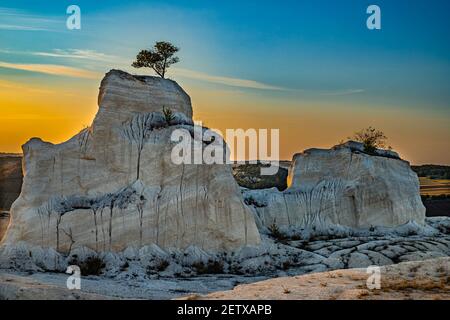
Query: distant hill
pixel 10 155
pixel 249 176
pixel 432 171
pixel 10 179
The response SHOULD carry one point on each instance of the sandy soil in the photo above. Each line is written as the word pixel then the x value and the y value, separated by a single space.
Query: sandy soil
pixel 428 279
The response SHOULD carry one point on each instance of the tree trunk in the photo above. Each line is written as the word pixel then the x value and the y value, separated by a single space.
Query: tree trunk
pixel 164 68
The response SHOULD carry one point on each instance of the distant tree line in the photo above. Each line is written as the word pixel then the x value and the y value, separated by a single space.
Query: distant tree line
pixel 432 171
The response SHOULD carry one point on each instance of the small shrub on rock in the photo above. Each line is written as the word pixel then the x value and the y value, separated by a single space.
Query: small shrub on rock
pixel 91 266
pixel 212 267
pixel 168 115
pixel 276 233
pixel 162 265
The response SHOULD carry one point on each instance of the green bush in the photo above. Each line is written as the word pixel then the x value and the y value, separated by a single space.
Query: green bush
pixel 276 233
pixel 168 115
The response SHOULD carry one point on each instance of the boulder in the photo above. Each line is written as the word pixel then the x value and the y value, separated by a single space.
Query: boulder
pixel 342 185
pixel 114 185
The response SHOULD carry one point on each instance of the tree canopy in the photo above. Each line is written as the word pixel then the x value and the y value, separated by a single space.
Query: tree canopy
pixel 159 58
pixel 371 138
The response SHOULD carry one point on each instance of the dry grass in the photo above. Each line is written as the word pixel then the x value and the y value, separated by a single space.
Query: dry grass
pixel 331 275
pixel 362 294
pixel 286 290
pixel 419 284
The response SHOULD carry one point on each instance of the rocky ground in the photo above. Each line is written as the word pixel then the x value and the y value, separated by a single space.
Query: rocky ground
pixel 52 286
pixel 153 273
pixel 429 279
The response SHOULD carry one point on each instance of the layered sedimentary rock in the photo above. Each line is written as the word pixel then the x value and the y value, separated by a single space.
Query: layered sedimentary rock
pixel 114 184
pixel 343 185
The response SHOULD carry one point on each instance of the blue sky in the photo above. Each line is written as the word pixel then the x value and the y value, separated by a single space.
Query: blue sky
pixel 300 45
pixel 285 54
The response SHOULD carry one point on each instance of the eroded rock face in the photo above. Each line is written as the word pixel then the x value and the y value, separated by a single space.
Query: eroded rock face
pixel 345 186
pixel 114 184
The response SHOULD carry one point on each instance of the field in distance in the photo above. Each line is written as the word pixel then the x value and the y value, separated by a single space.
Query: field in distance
pixel 434 187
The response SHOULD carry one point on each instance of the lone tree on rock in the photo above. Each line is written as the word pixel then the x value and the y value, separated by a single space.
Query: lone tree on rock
pixel 160 58
pixel 371 138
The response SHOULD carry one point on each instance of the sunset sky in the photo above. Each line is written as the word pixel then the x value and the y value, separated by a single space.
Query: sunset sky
pixel 310 68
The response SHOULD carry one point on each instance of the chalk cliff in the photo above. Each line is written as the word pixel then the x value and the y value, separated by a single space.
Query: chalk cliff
pixel 114 184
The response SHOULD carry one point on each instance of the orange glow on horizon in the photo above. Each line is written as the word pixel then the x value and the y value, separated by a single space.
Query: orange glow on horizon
pixel 57 115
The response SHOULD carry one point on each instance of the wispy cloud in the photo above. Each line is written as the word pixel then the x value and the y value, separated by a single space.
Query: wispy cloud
pixel 89 54
pixel 119 62
pixel 16 20
pixel 234 82
pixel 77 54
pixel 12 27
pixel 52 69
pixel 342 92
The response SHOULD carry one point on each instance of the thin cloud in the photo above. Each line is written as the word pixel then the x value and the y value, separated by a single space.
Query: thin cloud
pixel 342 92
pixel 52 69
pixel 234 82
pixel 16 20
pixel 89 54
pixel 77 54
pixel 20 28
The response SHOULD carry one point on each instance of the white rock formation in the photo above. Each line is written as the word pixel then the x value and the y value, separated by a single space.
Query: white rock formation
pixel 345 186
pixel 114 185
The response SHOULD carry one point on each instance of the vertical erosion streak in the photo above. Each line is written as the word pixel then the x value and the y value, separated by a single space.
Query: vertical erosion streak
pixel 245 223
pixel 355 211
pixel 48 229
pixel 164 241
pixel 111 209
pixel 159 196
pixel 287 209
pixel 138 166
pixel 141 217
pixel 103 229
pixel 196 204
pixel 181 202
pixel 58 221
pixel 157 220
pixel 41 223
pixel 96 229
